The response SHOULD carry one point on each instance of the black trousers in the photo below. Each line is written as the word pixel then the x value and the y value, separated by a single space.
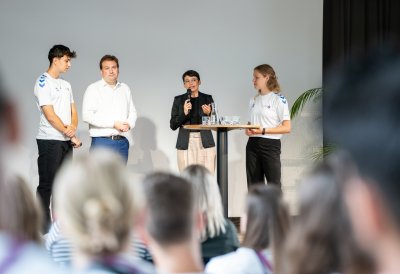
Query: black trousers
pixel 52 153
pixel 263 160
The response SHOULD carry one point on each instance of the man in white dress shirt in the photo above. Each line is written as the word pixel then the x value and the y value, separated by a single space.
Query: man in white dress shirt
pixel 109 110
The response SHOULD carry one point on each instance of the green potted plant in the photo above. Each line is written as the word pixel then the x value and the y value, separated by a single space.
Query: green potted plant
pixel 314 95
pixel 298 105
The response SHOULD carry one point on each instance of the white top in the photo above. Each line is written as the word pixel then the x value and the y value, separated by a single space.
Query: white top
pixel 268 111
pixel 59 248
pixel 243 261
pixel 30 258
pixel 121 264
pixel 58 93
pixel 104 104
pixel 161 272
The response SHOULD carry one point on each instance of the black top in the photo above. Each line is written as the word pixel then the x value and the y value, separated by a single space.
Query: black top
pixel 179 119
pixel 195 117
pixel 221 244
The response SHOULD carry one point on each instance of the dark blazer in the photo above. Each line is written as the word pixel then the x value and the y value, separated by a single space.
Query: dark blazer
pixel 178 119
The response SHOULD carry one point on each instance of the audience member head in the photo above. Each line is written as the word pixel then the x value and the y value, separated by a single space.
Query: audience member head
pixel 2 103
pixel 20 215
pixel 95 203
pixel 2 122
pixel 170 208
pixel 2 112
pixel 321 239
pixel 19 212
pixel 208 199
pixel 9 124
pixel 172 223
pixel 361 110
pixel 266 221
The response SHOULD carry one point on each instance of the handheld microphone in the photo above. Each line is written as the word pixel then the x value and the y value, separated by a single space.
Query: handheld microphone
pixel 189 96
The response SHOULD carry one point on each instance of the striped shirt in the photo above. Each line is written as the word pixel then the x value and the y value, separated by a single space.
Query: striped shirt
pixel 60 248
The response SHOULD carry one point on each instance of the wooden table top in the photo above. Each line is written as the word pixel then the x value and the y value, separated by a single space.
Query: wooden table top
pixel 216 127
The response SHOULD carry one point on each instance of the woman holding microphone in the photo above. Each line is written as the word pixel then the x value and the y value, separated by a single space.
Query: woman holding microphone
pixel 193 146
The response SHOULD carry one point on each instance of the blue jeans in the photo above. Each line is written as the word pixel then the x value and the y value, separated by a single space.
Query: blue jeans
pixel 119 146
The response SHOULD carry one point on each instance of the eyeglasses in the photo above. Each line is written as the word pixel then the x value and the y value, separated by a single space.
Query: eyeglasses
pixel 191 81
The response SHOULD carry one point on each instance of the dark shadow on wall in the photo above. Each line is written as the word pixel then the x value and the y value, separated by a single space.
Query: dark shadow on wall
pixel 145 156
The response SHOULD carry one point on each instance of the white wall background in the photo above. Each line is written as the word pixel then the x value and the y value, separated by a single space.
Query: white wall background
pixel 156 41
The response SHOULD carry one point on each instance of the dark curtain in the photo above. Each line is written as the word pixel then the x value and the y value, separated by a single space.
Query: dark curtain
pixel 352 27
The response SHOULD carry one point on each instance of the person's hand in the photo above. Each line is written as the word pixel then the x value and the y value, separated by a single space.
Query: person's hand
pixel 125 127
pixel 76 142
pixel 251 132
pixel 187 107
pixel 206 109
pixel 121 126
pixel 70 131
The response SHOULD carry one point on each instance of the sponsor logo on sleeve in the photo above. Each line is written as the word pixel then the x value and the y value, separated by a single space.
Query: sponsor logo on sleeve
pixel 42 81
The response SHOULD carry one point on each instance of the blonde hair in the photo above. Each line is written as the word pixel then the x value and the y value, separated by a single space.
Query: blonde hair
pixel 267 70
pixel 208 199
pixel 95 202
pixel 20 214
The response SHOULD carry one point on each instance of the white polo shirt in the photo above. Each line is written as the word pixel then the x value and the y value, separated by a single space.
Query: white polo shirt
pixel 58 93
pixel 268 111
pixel 104 104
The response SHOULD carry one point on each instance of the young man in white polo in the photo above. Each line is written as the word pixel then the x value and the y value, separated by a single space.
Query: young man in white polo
pixel 58 122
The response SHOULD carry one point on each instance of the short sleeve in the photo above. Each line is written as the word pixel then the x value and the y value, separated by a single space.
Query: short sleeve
pixel 43 91
pixel 283 108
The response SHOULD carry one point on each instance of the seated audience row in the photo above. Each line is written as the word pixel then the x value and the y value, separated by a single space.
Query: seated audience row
pixel 98 221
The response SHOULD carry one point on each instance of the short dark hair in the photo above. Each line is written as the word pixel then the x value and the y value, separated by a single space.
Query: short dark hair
pixel 191 73
pixel 108 57
pixel 171 208
pixel 58 51
pixel 361 111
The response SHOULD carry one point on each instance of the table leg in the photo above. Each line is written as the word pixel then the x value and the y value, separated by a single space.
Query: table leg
pixel 222 166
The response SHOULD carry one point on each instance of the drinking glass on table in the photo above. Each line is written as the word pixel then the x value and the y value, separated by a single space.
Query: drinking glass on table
pixel 235 120
pixel 205 120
